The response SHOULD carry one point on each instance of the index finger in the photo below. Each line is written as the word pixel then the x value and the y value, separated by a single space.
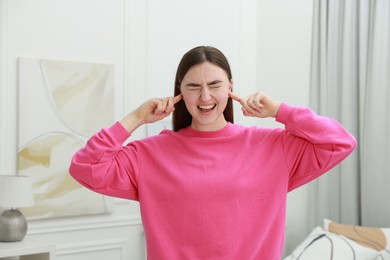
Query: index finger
pixel 177 98
pixel 234 97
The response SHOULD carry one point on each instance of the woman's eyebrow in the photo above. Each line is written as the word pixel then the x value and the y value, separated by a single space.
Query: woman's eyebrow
pixel 217 81
pixel 192 85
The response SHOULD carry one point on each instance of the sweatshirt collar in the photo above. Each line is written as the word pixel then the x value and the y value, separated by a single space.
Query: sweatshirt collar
pixel 225 131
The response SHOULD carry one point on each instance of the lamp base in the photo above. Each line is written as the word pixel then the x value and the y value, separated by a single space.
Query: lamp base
pixel 13 226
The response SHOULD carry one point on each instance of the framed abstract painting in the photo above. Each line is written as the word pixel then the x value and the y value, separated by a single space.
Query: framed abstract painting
pixel 61 104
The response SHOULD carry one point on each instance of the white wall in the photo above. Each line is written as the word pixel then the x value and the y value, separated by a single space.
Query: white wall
pixel 73 30
pixel 283 71
pixel 266 41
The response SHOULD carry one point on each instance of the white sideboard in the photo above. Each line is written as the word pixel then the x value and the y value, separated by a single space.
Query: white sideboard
pixel 27 249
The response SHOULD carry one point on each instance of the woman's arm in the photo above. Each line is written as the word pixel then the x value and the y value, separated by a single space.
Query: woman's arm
pixel 312 144
pixel 98 165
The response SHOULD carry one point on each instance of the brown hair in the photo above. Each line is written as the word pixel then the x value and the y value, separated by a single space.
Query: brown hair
pixel 181 118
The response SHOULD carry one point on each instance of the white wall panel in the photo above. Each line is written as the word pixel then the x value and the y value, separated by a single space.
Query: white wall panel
pixel 86 31
pixel 283 71
pixel 102 249
pixel 176 26
pixel 8 106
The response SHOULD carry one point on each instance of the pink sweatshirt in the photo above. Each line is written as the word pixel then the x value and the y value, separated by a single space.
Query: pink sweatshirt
pixel 214 195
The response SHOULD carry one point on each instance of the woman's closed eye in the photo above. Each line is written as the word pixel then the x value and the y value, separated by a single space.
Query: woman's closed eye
pixel 197 88
pixel 193 88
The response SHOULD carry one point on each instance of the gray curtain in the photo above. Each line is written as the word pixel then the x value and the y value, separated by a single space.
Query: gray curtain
pixel 350 81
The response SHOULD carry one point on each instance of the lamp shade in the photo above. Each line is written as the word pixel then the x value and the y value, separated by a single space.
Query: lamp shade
pixel 16 191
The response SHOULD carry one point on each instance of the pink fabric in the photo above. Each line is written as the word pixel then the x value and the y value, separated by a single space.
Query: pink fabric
pixel 214 195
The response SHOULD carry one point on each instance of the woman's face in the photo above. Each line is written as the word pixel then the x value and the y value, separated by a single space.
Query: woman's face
pixel 205 89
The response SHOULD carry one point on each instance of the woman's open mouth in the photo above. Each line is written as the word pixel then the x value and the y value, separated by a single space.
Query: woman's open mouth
pixel 207 108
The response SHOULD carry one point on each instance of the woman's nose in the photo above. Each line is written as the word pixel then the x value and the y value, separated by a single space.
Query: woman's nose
pixel 204 94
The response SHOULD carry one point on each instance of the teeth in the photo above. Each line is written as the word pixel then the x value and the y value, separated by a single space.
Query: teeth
pixel 206 107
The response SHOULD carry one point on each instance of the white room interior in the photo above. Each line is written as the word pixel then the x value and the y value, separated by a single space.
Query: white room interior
pixel 267 42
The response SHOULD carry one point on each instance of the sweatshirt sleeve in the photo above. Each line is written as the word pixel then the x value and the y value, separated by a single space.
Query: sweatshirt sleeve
pixel 98 166
pixel 312 144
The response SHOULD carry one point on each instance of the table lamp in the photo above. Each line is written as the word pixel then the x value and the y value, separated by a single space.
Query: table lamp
pixel 15 192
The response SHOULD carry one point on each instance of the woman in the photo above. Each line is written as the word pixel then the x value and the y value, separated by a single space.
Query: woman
pixel 211 189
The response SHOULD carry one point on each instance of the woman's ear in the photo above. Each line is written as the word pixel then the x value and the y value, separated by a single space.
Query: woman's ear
pixel 231 85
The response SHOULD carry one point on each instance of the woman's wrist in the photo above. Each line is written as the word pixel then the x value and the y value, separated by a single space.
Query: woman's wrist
pixel 131 122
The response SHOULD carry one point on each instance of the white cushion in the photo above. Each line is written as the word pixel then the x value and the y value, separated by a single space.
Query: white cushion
pixel 321 243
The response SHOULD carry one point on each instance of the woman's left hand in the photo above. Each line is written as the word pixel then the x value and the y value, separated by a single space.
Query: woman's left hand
pixel 257 105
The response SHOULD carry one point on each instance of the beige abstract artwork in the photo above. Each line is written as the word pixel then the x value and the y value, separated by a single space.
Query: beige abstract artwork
pixel 61 103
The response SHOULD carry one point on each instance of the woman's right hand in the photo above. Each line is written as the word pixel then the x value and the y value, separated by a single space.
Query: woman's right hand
pixel 156 109
pixel 151 111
